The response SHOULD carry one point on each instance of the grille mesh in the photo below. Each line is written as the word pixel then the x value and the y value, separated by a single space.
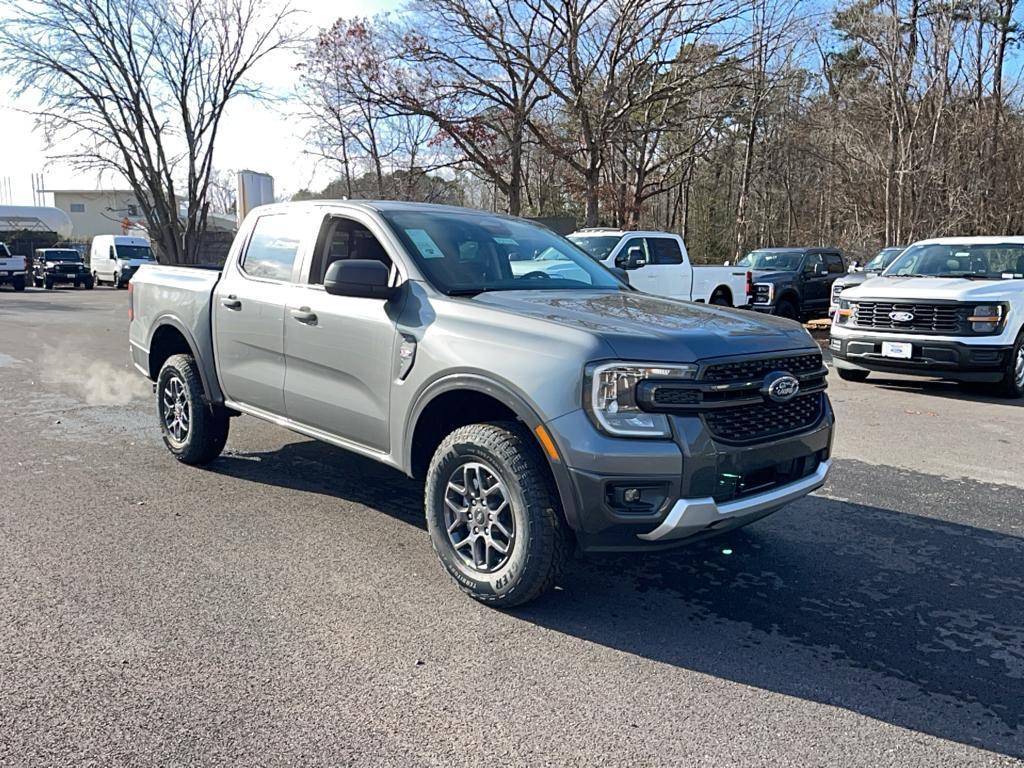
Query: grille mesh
pixel 748 423
pixel 750 369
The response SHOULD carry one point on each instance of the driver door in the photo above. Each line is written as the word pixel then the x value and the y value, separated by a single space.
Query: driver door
pixel 340 351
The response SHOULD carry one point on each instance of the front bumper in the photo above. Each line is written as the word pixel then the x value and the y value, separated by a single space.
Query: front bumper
pixel 691 487
pixel 65 277
pixel 942 358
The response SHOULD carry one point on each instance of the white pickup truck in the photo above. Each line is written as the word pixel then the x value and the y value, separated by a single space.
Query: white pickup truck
pixel 658 263
pixel 952 308
pixel 12 269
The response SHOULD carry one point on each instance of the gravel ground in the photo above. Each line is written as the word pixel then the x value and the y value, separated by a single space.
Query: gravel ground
pixel 283 606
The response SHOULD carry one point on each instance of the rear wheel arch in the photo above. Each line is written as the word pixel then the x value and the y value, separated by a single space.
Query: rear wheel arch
pixel 723 294
pixel 170 338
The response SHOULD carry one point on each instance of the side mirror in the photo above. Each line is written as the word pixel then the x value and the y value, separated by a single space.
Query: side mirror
pixel 360 278
pixel 622 274
pixel 634 258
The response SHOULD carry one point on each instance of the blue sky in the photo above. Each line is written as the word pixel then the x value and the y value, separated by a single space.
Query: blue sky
pixel 259 136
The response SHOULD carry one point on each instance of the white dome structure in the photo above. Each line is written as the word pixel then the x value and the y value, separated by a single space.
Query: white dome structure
pixel 26 218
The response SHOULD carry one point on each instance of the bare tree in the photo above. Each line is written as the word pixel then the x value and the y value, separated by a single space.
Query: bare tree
pixel 139 87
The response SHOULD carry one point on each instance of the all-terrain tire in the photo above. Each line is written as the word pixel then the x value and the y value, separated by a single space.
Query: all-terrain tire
pixel 542 541
pixel 720 299
pixel 208 425
pixel 847 374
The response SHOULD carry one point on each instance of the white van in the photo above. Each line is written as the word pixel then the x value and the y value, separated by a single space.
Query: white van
pixel 114 258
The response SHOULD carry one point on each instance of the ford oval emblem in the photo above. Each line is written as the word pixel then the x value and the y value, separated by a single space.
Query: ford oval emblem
pixel 901 317
pixel 780 387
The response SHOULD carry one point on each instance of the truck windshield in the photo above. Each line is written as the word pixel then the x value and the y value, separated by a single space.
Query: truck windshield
pixel 884 258
pixel 4 253
pixel 785 261
pixel 977 261
pixel 598 246
pixel 467 253
pixel 143 252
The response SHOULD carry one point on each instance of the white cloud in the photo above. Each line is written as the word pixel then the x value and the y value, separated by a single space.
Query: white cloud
pixel 258 135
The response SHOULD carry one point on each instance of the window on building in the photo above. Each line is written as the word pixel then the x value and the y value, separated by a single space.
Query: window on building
pixel 133 210
pixel 78 208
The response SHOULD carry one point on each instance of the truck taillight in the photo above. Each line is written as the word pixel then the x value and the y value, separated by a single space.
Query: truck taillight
pixel 750 283
pixel 131 302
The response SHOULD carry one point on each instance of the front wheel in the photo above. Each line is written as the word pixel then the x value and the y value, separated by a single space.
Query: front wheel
pixel 193 431
pixel 48 284
pixel 18 283
pixel 493 514
pixel 1012 384
pixel 787 309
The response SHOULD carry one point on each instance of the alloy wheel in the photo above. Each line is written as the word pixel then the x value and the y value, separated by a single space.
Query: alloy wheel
pixel 478 517
pixel 176 410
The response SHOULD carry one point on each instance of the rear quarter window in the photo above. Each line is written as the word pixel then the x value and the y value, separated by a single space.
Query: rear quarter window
pixel 273 247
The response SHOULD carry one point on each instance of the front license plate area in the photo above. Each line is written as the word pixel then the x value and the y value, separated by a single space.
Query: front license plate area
pixel 901 350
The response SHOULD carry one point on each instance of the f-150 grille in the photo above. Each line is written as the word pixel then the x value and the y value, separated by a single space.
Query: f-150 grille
pixel 888 316
pixel 745 370
pixel 752 423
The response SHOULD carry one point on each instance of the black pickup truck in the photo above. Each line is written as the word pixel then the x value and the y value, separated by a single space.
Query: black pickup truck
pixel 793 282
pixel 54 266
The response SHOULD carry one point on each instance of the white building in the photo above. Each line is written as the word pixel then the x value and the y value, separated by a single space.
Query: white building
pixel 97 211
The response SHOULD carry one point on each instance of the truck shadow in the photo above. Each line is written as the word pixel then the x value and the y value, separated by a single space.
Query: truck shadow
pixel 909 620
pixel 945 389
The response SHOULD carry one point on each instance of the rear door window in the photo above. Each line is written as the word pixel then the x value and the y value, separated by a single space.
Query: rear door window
pixel 273 246
pixel 664 250
pixel 835 263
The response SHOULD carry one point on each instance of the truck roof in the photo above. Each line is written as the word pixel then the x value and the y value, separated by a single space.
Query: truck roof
pixel 624 232
pixel 976 240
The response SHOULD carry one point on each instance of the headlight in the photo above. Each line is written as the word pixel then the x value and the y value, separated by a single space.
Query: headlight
pixel 763 293
pixel 610 397
pixel 987 318
pixel 51 264
pixel 843 313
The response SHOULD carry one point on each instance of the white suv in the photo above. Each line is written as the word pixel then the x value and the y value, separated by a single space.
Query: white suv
pixel 951 307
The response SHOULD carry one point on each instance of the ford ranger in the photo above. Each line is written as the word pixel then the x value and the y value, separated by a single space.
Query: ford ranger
pixel 952 308
pixel 542 408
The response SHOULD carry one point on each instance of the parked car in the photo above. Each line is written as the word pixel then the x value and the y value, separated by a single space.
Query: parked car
pixel 873 268
pixel 657 263
pixel 57 266
pixel 537 407
pixel 114 258
pixel 951 308
pixel 12 269
pixel 795 283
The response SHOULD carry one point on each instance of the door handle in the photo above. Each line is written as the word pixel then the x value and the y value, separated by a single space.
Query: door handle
pixel 303 315
pixel 231 302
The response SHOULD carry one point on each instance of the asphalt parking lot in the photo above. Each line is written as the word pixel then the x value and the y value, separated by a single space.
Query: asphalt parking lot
pixel 283 606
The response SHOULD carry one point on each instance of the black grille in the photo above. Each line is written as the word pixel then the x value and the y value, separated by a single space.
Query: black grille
pixel 750 423
pixel 68 269
pixel 675 396
pixel 940 318
pixel 746 370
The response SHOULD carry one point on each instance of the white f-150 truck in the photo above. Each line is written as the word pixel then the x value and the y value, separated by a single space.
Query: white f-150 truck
pixel 12 268
pixel 657 263
pixel 952 308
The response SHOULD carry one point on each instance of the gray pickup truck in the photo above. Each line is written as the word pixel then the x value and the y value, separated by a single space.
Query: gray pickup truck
pixel 544 401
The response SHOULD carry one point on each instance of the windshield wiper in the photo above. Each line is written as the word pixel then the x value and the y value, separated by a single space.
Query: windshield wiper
pixel 966 275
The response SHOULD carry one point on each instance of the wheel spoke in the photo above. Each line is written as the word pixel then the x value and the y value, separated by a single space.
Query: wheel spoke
pixel 498 546
pixel 501 527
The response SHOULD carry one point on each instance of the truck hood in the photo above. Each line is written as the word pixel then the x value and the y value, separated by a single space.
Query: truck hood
pixel 765 276
pixel 923 288
pixel 638 326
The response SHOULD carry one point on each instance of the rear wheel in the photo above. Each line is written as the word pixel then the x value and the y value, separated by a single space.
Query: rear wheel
pixel 193 431
pixel 1012 384
pixel 721 298
pixel 493 514
pixel 847 374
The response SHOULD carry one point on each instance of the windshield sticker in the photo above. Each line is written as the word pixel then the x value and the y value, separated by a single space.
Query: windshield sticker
pixel 423 242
